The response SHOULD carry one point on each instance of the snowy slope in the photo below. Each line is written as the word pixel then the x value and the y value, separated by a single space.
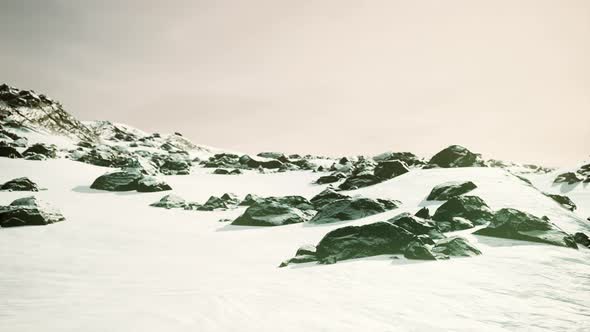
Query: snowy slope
pixel 117 264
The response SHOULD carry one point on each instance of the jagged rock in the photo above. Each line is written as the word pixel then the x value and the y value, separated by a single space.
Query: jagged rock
pixel 390 169
pixel 455 246
pixel 447 190
pixel 331 178
pixel 250 199
pixel 270 213
pixel 407 157
pixel 423 213
pixel 171 202
pixel 214 203
pixel 173 164
pixel 362 241
pixel 563 200
pixel 419 250
pixel 417 226
pixel 117 181
pixel 471 208
pixel 359 181
pixel 48 151
pixel 106 156
pixel 582 239
pixel 351 209
pixel 455 156
pixel 518 225
pixel 569 178
pixel 9 152
pixel 28 211
pixel 152 184
pixel 325 197
pixel 230 198
pixel 20 184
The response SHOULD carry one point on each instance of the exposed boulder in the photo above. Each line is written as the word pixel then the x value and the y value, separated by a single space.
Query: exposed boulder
pixel 563 200
pixel 9 152
pixel 374 239
pixel 221 171
pixel 569 178
pixel 214 203
pixel 325 197
pixel 518 225
pixel 390 169
pixel 423 213
pixel 272 155
pixel 118 181
pixel 419 250
pixel 582 239
pixel 173 164
pixel 331 178
pixel 48 151
pixel 174 202
pixel 270 213
pixel 152 184
pixel 28 211
pixel 408 158
pixel 106 156
pixel 35 156
pixel 264 163
pixel 250 199
pixel 359 181
pixel 455 156
pixel 417 226
pixel 471 208
pixel 455 246
pixel 20 184
pixel 304 254
pixel 447 190
pixel 351 209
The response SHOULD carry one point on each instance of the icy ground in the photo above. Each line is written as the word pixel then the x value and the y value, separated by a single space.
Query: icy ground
pixel 117 264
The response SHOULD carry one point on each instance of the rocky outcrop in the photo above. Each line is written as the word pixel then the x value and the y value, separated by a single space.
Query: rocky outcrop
pixel 327 196
pixel 175 202
pixel 455 246
pixel 407 158
pixel 389 169
pixel 455 156
pixel 28 211
pixel 462 212
pixel 271 212
pixel 582 239
pixel 128 180
pixel 447 190
pixel 49 151
pixel 9 152
pixel 351 209
pixel 569 178
pixel 150 184
pixel 19 184
pixel 563 200
pixel 416 225
pixel 331 178
pixel 518 225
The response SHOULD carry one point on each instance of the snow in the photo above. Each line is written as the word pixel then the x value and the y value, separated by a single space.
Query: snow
pixel 117 264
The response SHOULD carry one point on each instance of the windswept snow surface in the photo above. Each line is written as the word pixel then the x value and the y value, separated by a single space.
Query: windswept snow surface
pixel 117 264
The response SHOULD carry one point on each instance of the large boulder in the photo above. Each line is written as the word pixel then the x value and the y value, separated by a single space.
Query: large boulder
pixel 455 156
pixel 9 152
pixel 270 213
pixel 118 181
pixel 20 184
pixel 28 211
pixel 453 213
pixel 518 225
pixel 582 239
pixel 331 178
pixel 563 200
pixel 150 184
pixel 379 238
pixel 48 151
pixel 416 225
pixel 327 196
pixel 390 169
pixel 359 181
pixel 447 190
pixel 351 209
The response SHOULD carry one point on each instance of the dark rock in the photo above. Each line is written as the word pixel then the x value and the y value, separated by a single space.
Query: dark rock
pixel 390 169
pixel 456 156
pixel 174 164
pixel 471 208
pixel 563 200
pixel 582 239
pixel 407 157
pixel 235 172
pixel 349 209
pixel 334 177
pixel 35 156
pixel 250 199
pixel 445 191
pixel 230 198
pixel 48 151
pixel 271 155
pixel 28 211
pixel 325 197
pixel 306 250
pixel 255 163
pixel 423 213
pixel 455 246
pixel 518 225
pixel 214 203
pixel 20 184
pixel 9 152
pixel 270 213
pixel 220 171
pixel 569 178
pixel 171 202
pixel 379 238
pixel 359 181
pixel 152 184
pixel 298 202
pixel 418 250
pixel 117 181
pixel 417 226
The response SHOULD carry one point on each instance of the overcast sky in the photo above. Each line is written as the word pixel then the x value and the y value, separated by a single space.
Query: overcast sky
pixel 506 78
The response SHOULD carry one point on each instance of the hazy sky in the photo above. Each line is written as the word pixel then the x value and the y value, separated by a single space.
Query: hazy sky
pixel 506 78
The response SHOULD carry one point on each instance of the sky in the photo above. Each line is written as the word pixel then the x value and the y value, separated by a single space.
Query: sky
pixel 506 78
